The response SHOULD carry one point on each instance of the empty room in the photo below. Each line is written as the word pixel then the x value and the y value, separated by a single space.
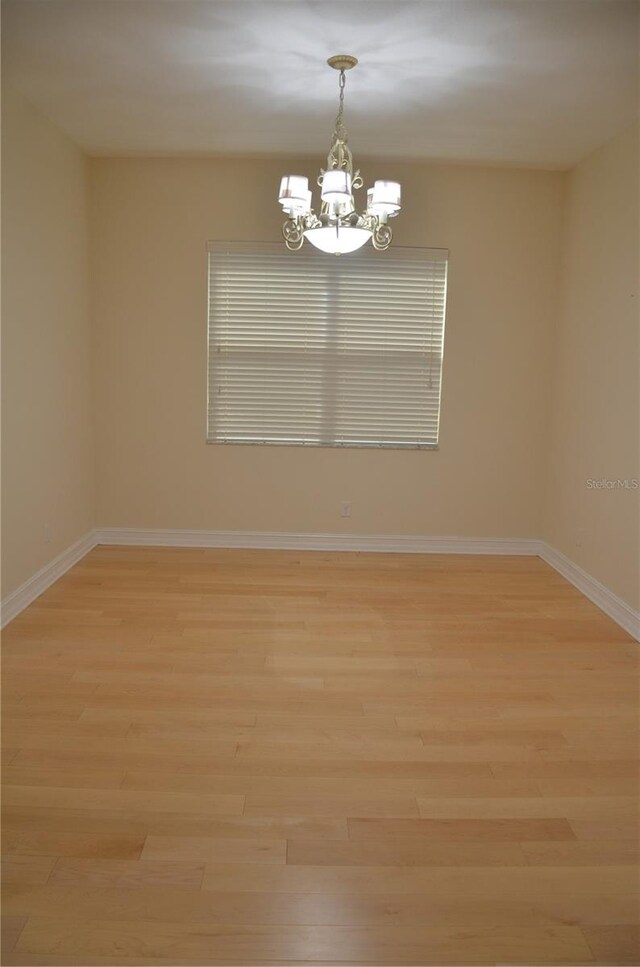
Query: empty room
pixel 320 482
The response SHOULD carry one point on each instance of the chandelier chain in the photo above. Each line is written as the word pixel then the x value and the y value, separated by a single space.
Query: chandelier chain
pixel 340 130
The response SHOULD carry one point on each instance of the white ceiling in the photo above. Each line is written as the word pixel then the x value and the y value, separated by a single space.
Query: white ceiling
pixel 528 82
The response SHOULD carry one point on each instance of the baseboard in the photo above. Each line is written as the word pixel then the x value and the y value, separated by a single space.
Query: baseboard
pixel 606 600
pixel 19 599
pixel 315 542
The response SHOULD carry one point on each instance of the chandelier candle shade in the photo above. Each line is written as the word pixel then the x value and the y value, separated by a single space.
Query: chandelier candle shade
pixel 338 228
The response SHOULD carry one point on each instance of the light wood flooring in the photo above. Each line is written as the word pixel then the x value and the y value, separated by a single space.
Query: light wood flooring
pixel 259 757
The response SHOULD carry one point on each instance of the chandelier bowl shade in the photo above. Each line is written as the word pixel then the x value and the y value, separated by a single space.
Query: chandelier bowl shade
pixel 337 240
pixel 338 229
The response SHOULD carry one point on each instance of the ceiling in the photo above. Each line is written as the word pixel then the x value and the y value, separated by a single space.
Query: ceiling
pixel 525 82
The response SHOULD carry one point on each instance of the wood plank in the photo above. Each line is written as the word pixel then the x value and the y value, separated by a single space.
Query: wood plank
pixel 215 849
pixel 10 929
pixel 199 717
pixel 53 843
pixel 586 786
pixel 384 785
pixel 611 768
pixel 608 852
pixel 537 739
pixel 128 874
pixel 180 903
pixel 113 822
pixel 64 960
pixel 26 869
pixel 463 830
pixel 376 751
pixel 337 806
pixel 379 945
pixel 605 830
pixel 109 748
pixel 501 883
pixel 575 807
pixel 74 778
pixel 402 851
pixel 227 805
pixel 614 943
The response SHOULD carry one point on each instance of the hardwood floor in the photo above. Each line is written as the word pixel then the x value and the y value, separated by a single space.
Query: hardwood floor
pixel 259 757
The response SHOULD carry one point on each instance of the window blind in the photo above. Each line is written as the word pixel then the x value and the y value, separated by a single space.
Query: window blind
pixel 314 350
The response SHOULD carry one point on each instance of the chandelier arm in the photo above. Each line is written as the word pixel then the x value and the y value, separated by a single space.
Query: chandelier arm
pixel 294 246
pixel 293 234
pixel 381 237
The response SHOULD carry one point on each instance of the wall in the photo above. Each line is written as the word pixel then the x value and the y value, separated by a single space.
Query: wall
pixel 151 220
pixel 596 405
pixel 47 438
pixel 519 395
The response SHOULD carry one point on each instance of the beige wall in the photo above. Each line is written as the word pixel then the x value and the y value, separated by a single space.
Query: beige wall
pixel 151 219
pixel 47 448
pixel 595 431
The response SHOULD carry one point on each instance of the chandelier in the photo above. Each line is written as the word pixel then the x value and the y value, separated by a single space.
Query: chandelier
pixel 338 228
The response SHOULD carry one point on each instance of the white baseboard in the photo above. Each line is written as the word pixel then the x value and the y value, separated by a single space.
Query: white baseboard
pixel 19 599
pixel 606 600
pixel 316 542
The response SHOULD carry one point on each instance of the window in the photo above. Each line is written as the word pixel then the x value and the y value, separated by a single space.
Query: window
pixel 318 350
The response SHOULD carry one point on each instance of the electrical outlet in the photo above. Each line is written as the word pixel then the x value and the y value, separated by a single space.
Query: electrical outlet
pixel 578 538
pixel 47 533
pixel 345 508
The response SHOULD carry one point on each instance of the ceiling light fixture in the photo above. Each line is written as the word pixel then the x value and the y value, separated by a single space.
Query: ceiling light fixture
pixel 339 228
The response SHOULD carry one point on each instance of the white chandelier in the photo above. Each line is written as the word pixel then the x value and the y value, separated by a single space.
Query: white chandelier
pixel 339 228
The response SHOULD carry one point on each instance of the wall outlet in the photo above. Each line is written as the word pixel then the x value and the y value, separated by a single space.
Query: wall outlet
pixel 47 533
pixel 578 538
pixel 345 508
